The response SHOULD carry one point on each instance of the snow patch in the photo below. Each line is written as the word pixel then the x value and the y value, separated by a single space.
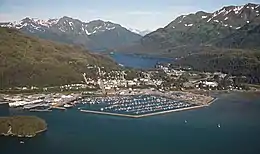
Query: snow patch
pixel 61 29
pixel 70 23
pixel 226 18
pixel 227 12
pixel 21 26
pixel 86 31
pixel 238 9
pixel 216 21
pixel 238 27
pixel 204 17
pixel 188 25
pixel 110 28
pixel 247 21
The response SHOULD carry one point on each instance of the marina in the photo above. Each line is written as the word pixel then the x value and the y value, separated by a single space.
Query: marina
pixel 143 115
pixel 135 106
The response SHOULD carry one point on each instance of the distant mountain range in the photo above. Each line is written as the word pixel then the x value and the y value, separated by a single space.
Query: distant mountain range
pixel 140 32
pixel 94 35
pixel 229 27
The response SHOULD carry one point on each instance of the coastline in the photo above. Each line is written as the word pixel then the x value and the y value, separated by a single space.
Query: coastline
pixel 24 136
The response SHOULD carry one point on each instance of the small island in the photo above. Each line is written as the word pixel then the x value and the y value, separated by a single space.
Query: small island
pixel 22 126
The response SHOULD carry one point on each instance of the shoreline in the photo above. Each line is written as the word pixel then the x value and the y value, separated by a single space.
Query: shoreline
pixel 149 114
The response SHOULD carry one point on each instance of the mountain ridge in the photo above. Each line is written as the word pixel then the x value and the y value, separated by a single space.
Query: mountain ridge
pixel 73 31
pixel 200 29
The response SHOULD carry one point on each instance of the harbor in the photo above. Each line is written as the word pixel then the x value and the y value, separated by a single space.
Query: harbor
pixel 134 103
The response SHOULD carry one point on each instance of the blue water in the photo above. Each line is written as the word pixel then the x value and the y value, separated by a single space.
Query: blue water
pixel 138 61
pixel 73 132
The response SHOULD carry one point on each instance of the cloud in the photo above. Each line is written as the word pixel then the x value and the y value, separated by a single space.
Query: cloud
pixel 143 13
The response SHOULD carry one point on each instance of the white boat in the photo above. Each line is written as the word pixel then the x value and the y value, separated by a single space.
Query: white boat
pixel 21 142
pixel 219 126
pixel 67 106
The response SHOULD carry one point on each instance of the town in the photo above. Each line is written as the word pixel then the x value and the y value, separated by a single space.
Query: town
pixel 170 85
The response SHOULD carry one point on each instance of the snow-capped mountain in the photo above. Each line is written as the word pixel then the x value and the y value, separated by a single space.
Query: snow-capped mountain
pixel 230 16
pixel 140 32
pixel 204 28
pixel 95 34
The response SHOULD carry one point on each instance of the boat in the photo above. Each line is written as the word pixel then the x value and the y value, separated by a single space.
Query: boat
pixel 21 142
pixel 219 126
pixel 67 106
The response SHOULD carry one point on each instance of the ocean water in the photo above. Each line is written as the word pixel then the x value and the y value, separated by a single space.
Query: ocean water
pixel 74 132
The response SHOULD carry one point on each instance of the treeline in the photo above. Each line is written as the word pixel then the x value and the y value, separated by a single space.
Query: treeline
pixel 237 63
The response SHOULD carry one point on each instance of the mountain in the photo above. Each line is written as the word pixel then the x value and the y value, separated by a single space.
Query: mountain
pixel 246 37
pixel 140 32
pixel 95 35
pixel 30 61
pixel 202 29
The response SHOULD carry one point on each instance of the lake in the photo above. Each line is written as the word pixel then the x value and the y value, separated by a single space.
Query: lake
pixel 74 132
pixel 138 61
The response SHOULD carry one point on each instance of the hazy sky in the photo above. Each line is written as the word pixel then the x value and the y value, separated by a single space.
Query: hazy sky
pixel 139 14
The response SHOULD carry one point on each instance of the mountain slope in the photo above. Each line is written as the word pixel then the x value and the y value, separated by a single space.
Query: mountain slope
pixel 231 61
pixel 246 37
pixel 74 31
pixel 200 29
pixel 30 61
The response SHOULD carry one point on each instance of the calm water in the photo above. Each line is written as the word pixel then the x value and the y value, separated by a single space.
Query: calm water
pixel 73 132
pixel 137 61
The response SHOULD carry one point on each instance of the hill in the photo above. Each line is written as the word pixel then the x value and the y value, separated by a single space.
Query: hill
pixel 28 61
pixel 232 61
pixel 94 35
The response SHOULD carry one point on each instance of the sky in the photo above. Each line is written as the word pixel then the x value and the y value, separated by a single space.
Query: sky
pixel 136 14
